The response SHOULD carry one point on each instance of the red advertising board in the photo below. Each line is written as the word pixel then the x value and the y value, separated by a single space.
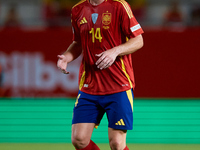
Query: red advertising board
pixel 167 66
pixel 29 60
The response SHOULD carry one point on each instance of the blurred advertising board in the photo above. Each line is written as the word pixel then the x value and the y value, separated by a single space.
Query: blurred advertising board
pixel 167 66
pixel 29 59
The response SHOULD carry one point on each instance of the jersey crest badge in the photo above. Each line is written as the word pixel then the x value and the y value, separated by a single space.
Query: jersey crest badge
pixel 106 18
pixel 94 17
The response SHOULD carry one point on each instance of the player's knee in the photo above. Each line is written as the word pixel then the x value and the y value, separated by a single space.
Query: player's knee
pixel 115 144
pixel 80 141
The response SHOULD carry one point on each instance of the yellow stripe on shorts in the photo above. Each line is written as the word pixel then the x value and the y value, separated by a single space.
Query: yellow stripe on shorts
pixel 130 97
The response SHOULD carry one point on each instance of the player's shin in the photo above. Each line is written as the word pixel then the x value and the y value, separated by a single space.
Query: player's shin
pixel 91 146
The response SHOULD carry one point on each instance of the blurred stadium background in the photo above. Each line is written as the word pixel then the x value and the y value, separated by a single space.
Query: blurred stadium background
pixel 36 100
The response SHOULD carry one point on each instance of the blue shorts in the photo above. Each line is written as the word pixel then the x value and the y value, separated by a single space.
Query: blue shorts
pixel 118 107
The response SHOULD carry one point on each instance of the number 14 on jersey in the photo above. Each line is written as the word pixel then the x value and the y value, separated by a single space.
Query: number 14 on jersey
pixel 96 34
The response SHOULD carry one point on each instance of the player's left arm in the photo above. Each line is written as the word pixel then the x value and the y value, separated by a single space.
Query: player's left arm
pixel 107 58
pixel 132 29
pixel 130 46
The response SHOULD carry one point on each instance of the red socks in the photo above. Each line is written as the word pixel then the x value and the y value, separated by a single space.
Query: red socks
pixel 126 148
pixel 91 146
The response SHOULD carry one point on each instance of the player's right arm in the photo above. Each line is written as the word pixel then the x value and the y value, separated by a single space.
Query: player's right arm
pixel 73 51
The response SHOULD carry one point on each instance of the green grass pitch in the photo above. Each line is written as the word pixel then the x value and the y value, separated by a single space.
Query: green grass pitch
pixel 48 146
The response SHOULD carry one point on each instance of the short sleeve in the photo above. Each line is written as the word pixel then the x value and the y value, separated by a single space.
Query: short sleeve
pixel 130 27
pixel 75 29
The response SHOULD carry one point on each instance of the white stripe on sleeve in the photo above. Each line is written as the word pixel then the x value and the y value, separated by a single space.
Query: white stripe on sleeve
pixel 135 28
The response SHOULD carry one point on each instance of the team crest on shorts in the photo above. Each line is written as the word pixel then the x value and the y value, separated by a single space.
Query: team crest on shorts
pixel 106 18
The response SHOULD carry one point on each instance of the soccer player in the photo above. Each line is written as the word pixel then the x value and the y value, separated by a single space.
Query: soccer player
pixel 106 33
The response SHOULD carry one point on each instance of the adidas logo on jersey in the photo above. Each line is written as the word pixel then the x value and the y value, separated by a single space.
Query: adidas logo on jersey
pixel 120 123
pixel 83 21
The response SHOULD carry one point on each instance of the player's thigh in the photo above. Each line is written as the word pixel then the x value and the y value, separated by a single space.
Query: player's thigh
pixel 87 109
pixel 82 131
pixel 117 138
pixel 120 110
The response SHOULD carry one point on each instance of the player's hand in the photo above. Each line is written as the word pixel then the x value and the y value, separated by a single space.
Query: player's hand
pixel 106 59
pixel 62 64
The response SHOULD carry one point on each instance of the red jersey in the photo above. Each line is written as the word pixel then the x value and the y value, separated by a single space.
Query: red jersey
pixel 100 28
